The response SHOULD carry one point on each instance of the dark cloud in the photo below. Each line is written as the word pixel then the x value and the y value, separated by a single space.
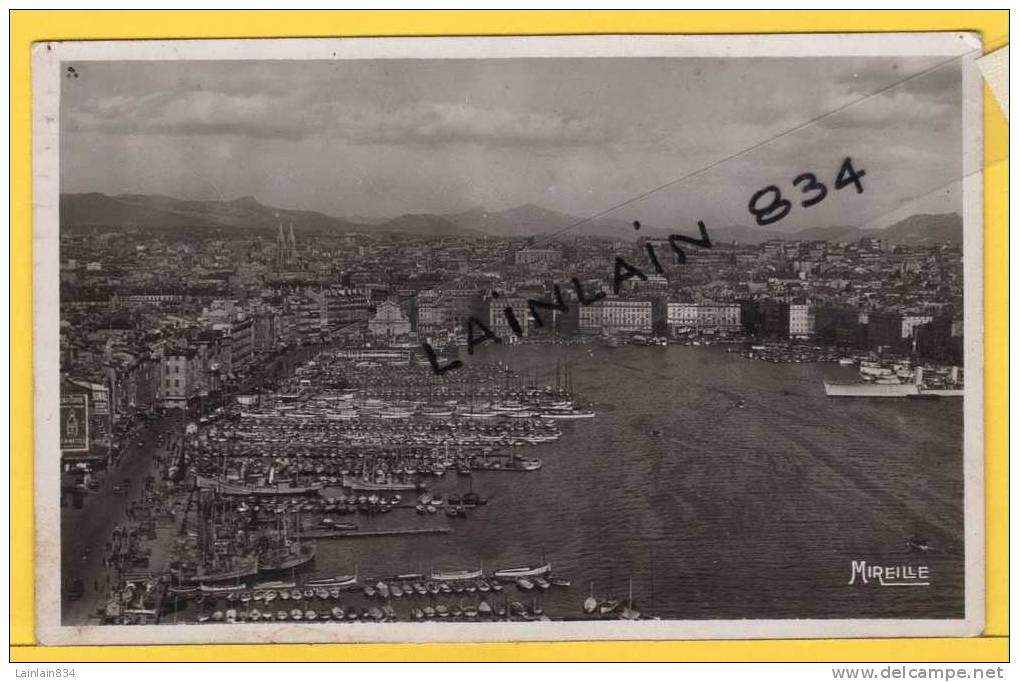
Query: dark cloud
pixel 390 137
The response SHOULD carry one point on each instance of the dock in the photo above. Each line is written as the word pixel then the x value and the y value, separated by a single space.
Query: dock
pixel 336 534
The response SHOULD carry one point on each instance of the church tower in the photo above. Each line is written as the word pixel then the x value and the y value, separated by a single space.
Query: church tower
pixel 281 248
pixel 291 247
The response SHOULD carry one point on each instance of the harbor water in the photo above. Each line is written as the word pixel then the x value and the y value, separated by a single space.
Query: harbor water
pixel 724 488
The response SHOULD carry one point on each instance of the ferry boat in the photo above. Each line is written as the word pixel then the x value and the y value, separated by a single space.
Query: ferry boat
pixel 242 489
pixel 870 390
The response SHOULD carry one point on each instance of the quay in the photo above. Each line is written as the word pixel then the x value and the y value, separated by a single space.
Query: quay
pixel 337 534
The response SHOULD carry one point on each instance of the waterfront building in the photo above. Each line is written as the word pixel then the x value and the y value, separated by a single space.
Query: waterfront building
pixel 616 315
pixel 492 312
pixel 681 317
pixel 801 321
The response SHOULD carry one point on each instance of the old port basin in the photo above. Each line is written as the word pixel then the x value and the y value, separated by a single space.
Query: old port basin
pixel 256 502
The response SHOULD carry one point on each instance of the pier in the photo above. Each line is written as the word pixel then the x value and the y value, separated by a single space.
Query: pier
pixel 337 534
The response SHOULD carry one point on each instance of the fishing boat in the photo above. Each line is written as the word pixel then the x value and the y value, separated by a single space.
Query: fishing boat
pixel 525 584
pixel 561 581
pixel 363 484
pixel 479 414
pixel 275 585
pixel 219 589
pixel 339 581
pixel 457 575
pixel 541 583
pixel 287 556
pixel 229 568
pixel 629 612
pixel 591 604
pixel 608 606
pixel 918 544
pixel 567 414
pixel 523 572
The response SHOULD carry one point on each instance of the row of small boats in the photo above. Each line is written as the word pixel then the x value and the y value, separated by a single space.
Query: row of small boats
pixel 378 614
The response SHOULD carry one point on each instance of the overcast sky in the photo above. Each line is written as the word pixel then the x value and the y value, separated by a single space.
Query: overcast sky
pixel 383 138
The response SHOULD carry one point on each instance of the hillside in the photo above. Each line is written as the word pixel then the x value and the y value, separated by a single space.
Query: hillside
pixel 155 211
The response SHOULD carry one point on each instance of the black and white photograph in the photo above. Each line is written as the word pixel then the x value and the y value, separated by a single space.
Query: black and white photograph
pixel 537 338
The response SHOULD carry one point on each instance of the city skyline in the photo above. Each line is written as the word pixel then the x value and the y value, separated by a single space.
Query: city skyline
pixel 384 138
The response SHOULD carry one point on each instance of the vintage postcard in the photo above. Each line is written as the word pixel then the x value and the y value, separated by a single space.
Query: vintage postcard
pixel 534 338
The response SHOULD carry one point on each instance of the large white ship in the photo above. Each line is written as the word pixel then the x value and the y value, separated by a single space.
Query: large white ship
pixel 900 381
pixel 870 390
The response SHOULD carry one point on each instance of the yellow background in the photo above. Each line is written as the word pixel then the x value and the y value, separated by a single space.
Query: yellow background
pixel 29 26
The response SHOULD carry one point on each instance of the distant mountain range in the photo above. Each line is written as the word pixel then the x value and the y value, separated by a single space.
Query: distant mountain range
pixel 156 211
